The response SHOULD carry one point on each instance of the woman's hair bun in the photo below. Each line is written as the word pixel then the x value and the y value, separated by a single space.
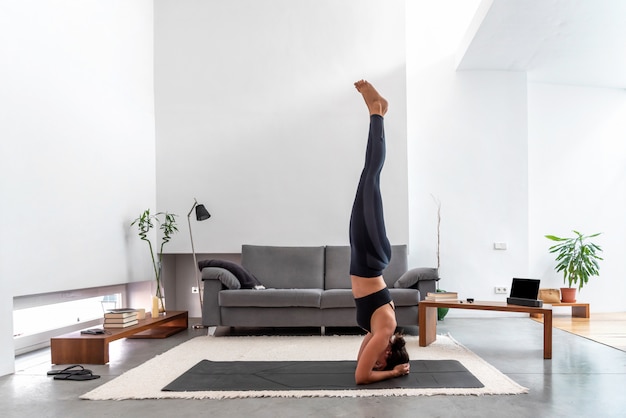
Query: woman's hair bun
pixel 398 341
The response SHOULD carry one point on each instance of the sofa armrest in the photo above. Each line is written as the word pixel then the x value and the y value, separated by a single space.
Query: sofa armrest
pixel 214 279
pixel 423 279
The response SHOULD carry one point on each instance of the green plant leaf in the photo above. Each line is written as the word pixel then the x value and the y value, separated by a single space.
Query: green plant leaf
pixel 576 258
pixel 554 238
pixel 145 222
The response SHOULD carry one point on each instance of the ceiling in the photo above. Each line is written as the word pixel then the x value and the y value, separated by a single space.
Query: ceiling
pixel 578 42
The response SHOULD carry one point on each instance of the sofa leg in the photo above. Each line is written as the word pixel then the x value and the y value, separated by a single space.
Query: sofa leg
pixel 211 331
pixel 322 330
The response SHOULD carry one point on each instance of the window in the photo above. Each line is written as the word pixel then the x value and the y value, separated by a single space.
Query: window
pixel 37 318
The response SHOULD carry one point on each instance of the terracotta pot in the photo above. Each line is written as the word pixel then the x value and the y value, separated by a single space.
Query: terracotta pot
pixel 568 294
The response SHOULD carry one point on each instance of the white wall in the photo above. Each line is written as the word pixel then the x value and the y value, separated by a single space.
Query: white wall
pixel 77 147
pixel 257 117
pixel 469 151
pixel 495 151
pixel 577 165
pixel 467 139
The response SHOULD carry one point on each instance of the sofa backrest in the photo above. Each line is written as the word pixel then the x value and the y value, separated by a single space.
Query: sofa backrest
pixel 398 266
pixel 337 269
pixel 285 267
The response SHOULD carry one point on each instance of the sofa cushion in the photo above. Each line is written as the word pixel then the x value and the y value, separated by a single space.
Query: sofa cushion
pixel 405 297
pixel 337 298
pixel 398 265
pixel 411 277
pixel 270 298
pixel 337 269
pixel 285 267
pixel 227 278
pixel 245 278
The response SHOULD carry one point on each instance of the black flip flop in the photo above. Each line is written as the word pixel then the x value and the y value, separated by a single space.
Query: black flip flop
pixel 75 369
pixel 77 376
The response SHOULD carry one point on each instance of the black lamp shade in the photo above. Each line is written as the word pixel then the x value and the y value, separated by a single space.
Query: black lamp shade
pixel 201 213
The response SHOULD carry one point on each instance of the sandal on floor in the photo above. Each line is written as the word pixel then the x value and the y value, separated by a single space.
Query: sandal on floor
pixel 77 376
pixel 75 369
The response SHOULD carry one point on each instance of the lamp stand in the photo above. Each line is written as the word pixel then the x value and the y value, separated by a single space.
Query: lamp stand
pixel 195 266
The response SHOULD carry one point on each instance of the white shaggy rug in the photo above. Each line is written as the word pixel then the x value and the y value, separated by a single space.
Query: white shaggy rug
pixel 147 380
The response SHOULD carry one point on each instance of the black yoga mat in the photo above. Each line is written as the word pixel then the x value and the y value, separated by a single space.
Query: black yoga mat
pixel 314 375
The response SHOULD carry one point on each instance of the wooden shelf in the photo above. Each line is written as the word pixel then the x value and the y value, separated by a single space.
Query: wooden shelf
pixel 579 310
pixel 77 348
pixel 157 332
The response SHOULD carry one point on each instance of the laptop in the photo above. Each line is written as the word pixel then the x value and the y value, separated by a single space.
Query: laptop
pixel 524 292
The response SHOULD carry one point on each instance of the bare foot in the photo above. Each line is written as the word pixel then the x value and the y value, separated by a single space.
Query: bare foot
pixel 376 104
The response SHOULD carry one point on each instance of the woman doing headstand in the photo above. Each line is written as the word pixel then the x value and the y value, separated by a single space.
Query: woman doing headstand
pixel 382 354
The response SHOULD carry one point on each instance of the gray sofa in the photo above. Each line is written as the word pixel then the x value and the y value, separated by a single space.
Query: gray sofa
pixel 305 287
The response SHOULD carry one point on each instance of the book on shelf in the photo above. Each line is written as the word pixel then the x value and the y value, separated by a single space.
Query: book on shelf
pixel 118 314
pixel 120 320
pixel 121 310
pixel 120 325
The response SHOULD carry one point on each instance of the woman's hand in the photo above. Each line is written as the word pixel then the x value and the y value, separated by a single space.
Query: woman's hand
pixel 402 369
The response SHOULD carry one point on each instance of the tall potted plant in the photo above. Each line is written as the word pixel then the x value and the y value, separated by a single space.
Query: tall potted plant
pixel 578 259
pixel 145 222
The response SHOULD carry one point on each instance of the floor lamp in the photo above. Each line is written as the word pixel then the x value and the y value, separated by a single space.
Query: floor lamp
pixel 201 215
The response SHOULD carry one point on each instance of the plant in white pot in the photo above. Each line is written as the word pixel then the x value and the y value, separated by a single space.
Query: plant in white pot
pixel 578 259
pixel 145 222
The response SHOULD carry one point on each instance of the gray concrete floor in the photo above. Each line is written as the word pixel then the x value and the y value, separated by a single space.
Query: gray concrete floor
pixel 583 379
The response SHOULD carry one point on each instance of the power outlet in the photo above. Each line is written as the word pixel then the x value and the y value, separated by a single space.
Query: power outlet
pixel 194 289
pixel 500 290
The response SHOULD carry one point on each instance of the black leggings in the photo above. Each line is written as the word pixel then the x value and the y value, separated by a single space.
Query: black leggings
pixel 370 248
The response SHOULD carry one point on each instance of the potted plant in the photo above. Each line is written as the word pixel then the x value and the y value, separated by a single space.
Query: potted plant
pixel 578 259
pixel 145 222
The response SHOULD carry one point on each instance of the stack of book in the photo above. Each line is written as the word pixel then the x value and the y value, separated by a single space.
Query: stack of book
pixel 120 318
pixel 442 296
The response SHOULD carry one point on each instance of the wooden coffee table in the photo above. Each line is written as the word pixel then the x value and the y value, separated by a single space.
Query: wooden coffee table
pixel 427 318
pixel 77 348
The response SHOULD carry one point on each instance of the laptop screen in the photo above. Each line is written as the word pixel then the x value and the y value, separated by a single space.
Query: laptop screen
pixel 525 288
